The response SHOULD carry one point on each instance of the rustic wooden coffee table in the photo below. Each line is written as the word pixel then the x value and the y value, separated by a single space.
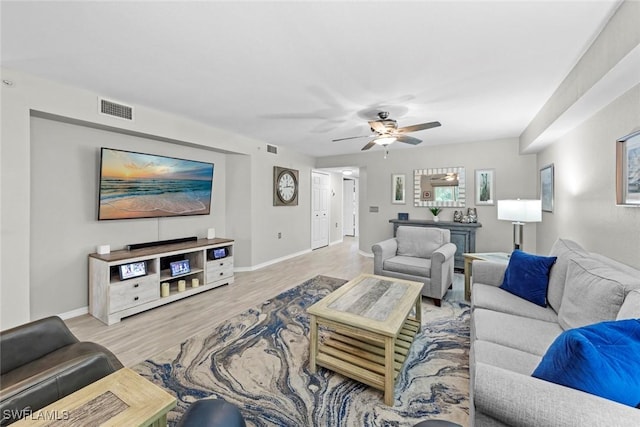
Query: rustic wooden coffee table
pixel 366 329
pixel 123 398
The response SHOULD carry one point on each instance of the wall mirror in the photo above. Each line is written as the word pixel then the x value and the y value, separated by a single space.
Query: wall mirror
pixel 441 187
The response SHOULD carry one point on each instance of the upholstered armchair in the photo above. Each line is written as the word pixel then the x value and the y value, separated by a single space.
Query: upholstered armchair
pixel 422 254
pixel 41 362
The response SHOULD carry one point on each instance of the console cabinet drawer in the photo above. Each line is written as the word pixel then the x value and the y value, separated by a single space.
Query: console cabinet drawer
pixel 132 293
pixel 219 269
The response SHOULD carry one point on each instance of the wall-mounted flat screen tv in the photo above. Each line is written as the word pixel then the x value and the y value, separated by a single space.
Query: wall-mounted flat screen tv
pixel 138 185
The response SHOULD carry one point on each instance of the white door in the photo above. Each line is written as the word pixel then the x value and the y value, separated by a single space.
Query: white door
pixel 349 207
pixel 319 210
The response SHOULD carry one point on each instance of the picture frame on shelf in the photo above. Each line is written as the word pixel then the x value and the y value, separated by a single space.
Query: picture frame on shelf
pixel 398 188
pixel 628 170
pixel 546 187
pixel 485 187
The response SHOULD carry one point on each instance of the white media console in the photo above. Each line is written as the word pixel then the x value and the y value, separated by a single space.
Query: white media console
pixel 111 298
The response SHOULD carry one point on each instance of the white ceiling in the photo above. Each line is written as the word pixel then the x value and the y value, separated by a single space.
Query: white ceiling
pixel 296 74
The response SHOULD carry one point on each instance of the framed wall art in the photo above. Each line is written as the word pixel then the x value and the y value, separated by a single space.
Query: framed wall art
pixel 546 188
pixel 628 170
pixel 398 188
pixel 485 187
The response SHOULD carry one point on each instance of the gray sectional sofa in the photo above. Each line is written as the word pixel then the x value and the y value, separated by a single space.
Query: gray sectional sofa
pixel 510 335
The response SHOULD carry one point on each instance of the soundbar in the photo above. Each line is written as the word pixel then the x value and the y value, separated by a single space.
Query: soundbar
pixel 135 246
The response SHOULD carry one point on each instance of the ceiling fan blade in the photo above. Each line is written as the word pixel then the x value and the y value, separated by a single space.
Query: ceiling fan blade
pixel 352 137
pixel 369 145
pixel 421 126
pixel 377 126
pixel 408 139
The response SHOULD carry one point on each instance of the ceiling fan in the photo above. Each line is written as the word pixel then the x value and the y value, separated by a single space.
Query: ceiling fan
pixel 386 131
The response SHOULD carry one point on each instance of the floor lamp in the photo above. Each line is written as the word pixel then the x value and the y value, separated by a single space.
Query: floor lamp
pixel 519 212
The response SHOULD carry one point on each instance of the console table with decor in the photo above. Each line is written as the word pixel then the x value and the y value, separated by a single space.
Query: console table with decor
pixel 463 235
pixel 112 297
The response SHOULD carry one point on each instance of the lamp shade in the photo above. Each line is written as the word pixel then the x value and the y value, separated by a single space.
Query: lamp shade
pixel 520 210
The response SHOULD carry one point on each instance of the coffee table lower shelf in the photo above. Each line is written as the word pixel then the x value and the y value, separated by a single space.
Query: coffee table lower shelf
pixel 362 355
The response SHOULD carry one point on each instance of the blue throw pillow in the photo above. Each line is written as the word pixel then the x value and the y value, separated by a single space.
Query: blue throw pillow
pixel 600 359
pixel 527 276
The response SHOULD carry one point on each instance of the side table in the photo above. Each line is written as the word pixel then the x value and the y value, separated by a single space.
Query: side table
pixel 500 257
pixel 122 398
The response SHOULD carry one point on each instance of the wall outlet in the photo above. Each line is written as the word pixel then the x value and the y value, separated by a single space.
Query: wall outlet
pixel 279 235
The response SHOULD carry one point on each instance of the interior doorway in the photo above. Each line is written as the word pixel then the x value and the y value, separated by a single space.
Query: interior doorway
pixel 320 183
pixel 350 207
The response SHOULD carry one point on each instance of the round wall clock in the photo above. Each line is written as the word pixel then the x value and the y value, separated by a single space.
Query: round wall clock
pixel 285 186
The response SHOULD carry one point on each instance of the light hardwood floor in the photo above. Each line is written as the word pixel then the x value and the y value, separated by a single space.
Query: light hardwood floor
pixel 139 337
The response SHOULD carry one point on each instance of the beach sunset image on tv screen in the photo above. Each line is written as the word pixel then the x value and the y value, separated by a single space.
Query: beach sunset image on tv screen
pixel 137 185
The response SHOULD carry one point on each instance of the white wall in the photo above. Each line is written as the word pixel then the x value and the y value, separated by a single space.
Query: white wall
pixel 294 222
pixel 585 171
pixel 515 176
pixel 64 181
pixel 248 190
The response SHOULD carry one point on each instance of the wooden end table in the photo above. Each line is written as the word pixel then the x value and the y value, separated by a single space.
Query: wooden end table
pixel 366 329
pixel 123 398
pixel 501 257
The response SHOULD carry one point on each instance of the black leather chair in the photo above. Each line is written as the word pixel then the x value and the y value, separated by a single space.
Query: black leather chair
pixel 212 413
pixel 41 362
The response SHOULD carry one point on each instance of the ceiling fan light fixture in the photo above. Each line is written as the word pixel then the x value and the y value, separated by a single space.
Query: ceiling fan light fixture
pixel 385 140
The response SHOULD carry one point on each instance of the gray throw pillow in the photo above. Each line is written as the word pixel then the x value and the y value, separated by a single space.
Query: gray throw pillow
pixel 565 250
pixel 594 292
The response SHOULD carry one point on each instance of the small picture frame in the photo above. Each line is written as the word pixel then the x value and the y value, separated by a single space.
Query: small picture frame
pixel 398 188
pixel 403 216
pixel 219 253
pixel 134 269
pixel 485 187
pixel 546 188
pixel 628 170
pixel 179 268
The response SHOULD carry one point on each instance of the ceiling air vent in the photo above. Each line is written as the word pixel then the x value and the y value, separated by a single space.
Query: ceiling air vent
pixel 115 109
pixel 272 149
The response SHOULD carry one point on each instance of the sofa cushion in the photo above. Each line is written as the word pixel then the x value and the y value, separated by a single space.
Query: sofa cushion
pixel 594 293
pixel 420 242
pixel 496 299
pixel 522 333
pixel 600 359
pixel 565 250
pixel 409 265
pixel 504 357
pixel 630 308
pixel 527 276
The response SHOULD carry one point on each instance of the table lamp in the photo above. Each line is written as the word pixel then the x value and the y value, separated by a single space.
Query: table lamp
pixel 519 212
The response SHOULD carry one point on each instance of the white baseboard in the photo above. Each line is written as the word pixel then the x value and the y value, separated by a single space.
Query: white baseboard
pixel 336 242
pixel 74 313
pixel 271 262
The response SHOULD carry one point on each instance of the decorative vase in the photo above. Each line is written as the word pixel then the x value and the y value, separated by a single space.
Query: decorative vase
pixel 473 215
pixel 436 218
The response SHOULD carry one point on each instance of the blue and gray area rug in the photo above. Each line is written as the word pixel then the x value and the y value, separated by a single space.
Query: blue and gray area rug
pixel 258 360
